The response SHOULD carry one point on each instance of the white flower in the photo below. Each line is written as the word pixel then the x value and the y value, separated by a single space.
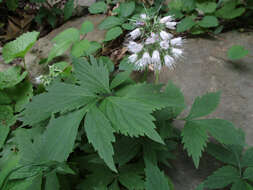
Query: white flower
pixel 140 64
pixel 165 35
pixel 132 58
pixel 177 52
pixel 171 25
pixel 152 39
pixel 146 58
pixel 164 45
pixel 143 16
pixel 135 34
pixel 177 41
pixel 38 80
pixel 166 19
pixel 156 60
pixel 134 47
pixel 169 61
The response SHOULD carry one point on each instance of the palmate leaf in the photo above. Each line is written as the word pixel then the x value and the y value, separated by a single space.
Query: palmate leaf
pixel 194 139
pixel 132 181
pixel 239 185
pixel 56 143
pixel 130 117
pixel 222 177
pixel 61 97
pixel 100 134
pixel 94 77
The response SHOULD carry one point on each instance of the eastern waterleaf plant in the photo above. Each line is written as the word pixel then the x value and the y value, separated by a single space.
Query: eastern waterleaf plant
pixel 109 106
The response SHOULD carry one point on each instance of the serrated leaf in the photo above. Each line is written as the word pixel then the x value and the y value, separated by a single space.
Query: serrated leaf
pixel 68 9
pixel 237 52
pixel 151 95
pixel 130 117
pixel 204 105
pixel 155 179
pixel 248 174
pixel 113 33
pixel 217 128
pixel 207 7
pixel 186 24
pixel 99 7
pixel 110 22
pixel 100 134
pixel 127 8
pixel 94 77
pixel 60 98
pixel 20 46
pixel 80 47
pixel 11 77
pixel 25 184
pixel 6 120
pixel 239 185
pixel 86 27
pixel 120 78
pixel 222 177
pixel 47 147
pixel 209 21
pixel 132 181
pixel 229 10
pixel 222 154
pixel 115 185
pixel 194 139
pixel 247 159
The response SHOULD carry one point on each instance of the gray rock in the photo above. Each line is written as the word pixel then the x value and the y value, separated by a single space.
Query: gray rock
pixel 85 3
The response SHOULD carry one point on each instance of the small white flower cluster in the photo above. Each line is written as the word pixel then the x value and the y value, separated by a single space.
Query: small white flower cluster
pixel 156 47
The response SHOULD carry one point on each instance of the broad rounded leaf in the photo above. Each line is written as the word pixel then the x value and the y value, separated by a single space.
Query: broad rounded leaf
pixel 86 27
pixel 209 21
pixel 127 8
pixel 207 7
pixel 19 47
pixel 110 22
pixel 11 77
pixel 80 48
pixel 237 52
pixel 68 9
pixel 99 7
pixel 186 24
pixel 113 34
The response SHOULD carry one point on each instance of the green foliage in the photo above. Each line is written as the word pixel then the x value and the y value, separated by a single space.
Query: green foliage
pixel 113 33
pixel 98 7
pixel 19 47
pixel 68 9
pixel 237 52
pixel 86 27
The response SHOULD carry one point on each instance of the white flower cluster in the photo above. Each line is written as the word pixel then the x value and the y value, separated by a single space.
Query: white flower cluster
pixel 156 46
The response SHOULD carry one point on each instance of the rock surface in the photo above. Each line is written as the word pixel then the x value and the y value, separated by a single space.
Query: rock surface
pixel 206 68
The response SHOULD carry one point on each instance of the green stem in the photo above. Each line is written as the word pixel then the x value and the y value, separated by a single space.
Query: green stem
pixel 145 75
pixel 156 77
pixel 24 64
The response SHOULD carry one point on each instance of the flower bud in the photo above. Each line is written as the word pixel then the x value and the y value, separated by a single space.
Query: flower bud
pixel 165 35
pixel 166 19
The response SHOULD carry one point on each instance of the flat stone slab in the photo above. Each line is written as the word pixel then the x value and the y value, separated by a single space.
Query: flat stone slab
pixel 206 68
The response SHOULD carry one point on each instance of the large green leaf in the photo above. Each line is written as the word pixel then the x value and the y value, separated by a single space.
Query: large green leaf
pixel 59 98
pixel 194 140
pixel 110 22
pixel 6 120
pixel 120 78
pixel 186 24
pixel 100 134
pixel 207 7
pixel 80 47
pixel 239 185
pixel 93 77
pixel 99 7
pixel 52 182
pixel 20 46
pixel 247 159
pixel 68 9
pixel 155 179
pixel 229 10
pixel 209 21
pixel 130 117
pixel 127 8
pixel 86 27
pixel 113 33
pixel 204 105
pixel 56 143
pixel 11 77
pixel 222 177
pixel 237 52
pixel 217 128
pixel 248 174
pixel 131 180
